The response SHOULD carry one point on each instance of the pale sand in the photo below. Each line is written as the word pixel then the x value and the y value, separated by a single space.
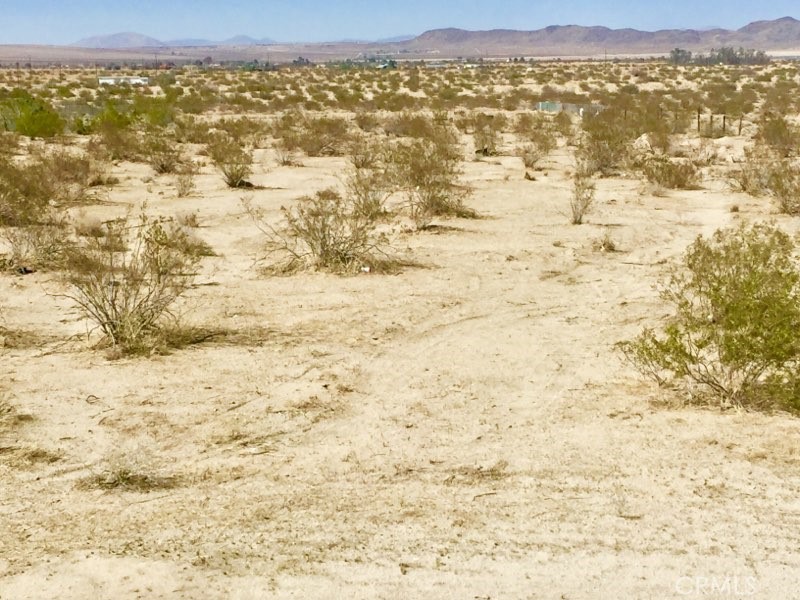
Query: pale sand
pixel 464 430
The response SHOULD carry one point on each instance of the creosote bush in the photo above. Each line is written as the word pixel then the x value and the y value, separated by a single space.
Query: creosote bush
pixel 426 171
pixel 326 231
pixel 127 280
pixel 234 161
pixel 671 174
pixel 733 334
pixel 783 183
pixel 582 198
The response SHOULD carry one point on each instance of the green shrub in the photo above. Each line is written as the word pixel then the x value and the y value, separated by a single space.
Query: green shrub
pixel 23 113
pixel 163 153
pixel 736 301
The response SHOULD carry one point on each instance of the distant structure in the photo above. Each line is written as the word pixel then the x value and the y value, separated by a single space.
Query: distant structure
pixel 120 79
pixel 578 109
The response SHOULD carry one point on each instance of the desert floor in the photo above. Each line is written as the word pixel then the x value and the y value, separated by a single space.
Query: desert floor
pixel 464 429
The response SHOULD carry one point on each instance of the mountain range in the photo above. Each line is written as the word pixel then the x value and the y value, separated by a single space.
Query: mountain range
pixel 137 40
pixel 556 40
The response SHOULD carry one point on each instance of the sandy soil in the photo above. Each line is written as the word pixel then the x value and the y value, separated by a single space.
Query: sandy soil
pixel 462 430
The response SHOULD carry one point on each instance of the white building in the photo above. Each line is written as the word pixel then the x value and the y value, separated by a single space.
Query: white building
pixel 129 79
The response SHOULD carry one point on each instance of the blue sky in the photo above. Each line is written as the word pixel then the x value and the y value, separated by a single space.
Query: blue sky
pixel 66 21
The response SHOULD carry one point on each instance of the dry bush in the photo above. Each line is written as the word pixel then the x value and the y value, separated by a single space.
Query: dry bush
pixel 540 144
pixel 671 174
pixel 115 142
pixel 234 161
pixel 408 124
pixel 427 173
pixel 286 156
pixel 185 176
pixel 37 247
pixel 784 186
pixel 367 153
pixel 368 190
pixel 324 231
pixel 127 280
pixel 163 154
pixel 582 198
pixel 780 135
pixel 316 136
pixel 753 176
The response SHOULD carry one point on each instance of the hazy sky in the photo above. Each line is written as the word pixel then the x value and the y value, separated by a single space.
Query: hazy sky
pixel 66 21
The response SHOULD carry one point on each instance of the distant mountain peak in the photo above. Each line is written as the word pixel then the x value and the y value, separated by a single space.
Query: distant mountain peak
pixel 119 40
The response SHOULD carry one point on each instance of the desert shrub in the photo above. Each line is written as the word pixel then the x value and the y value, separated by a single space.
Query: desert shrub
pixel 234 161
pixel 163 153
pixel 752 177
pixel 34 117
pixel 127 280
pixel 736 301
pixel 409 124
pixel 540 143
pixel 605 146
pixel 316 136
pixel 368 190
pixel 563 124
pixel 9 143
pixel 29 191
pixel 366 152
pixel 671 174
pixel 39 246
pixel 582 197
pixel 111 142
pixel 427 172
pixel 777 133
pixel 324 231
pixel 783 184
pixel 185 175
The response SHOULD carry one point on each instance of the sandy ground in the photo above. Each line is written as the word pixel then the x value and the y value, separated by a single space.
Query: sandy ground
pixel 462 430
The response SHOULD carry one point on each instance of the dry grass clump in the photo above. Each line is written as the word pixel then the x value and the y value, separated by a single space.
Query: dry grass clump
pixel 130 469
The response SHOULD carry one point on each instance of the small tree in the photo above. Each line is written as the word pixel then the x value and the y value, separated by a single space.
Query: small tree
pixel 737 313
